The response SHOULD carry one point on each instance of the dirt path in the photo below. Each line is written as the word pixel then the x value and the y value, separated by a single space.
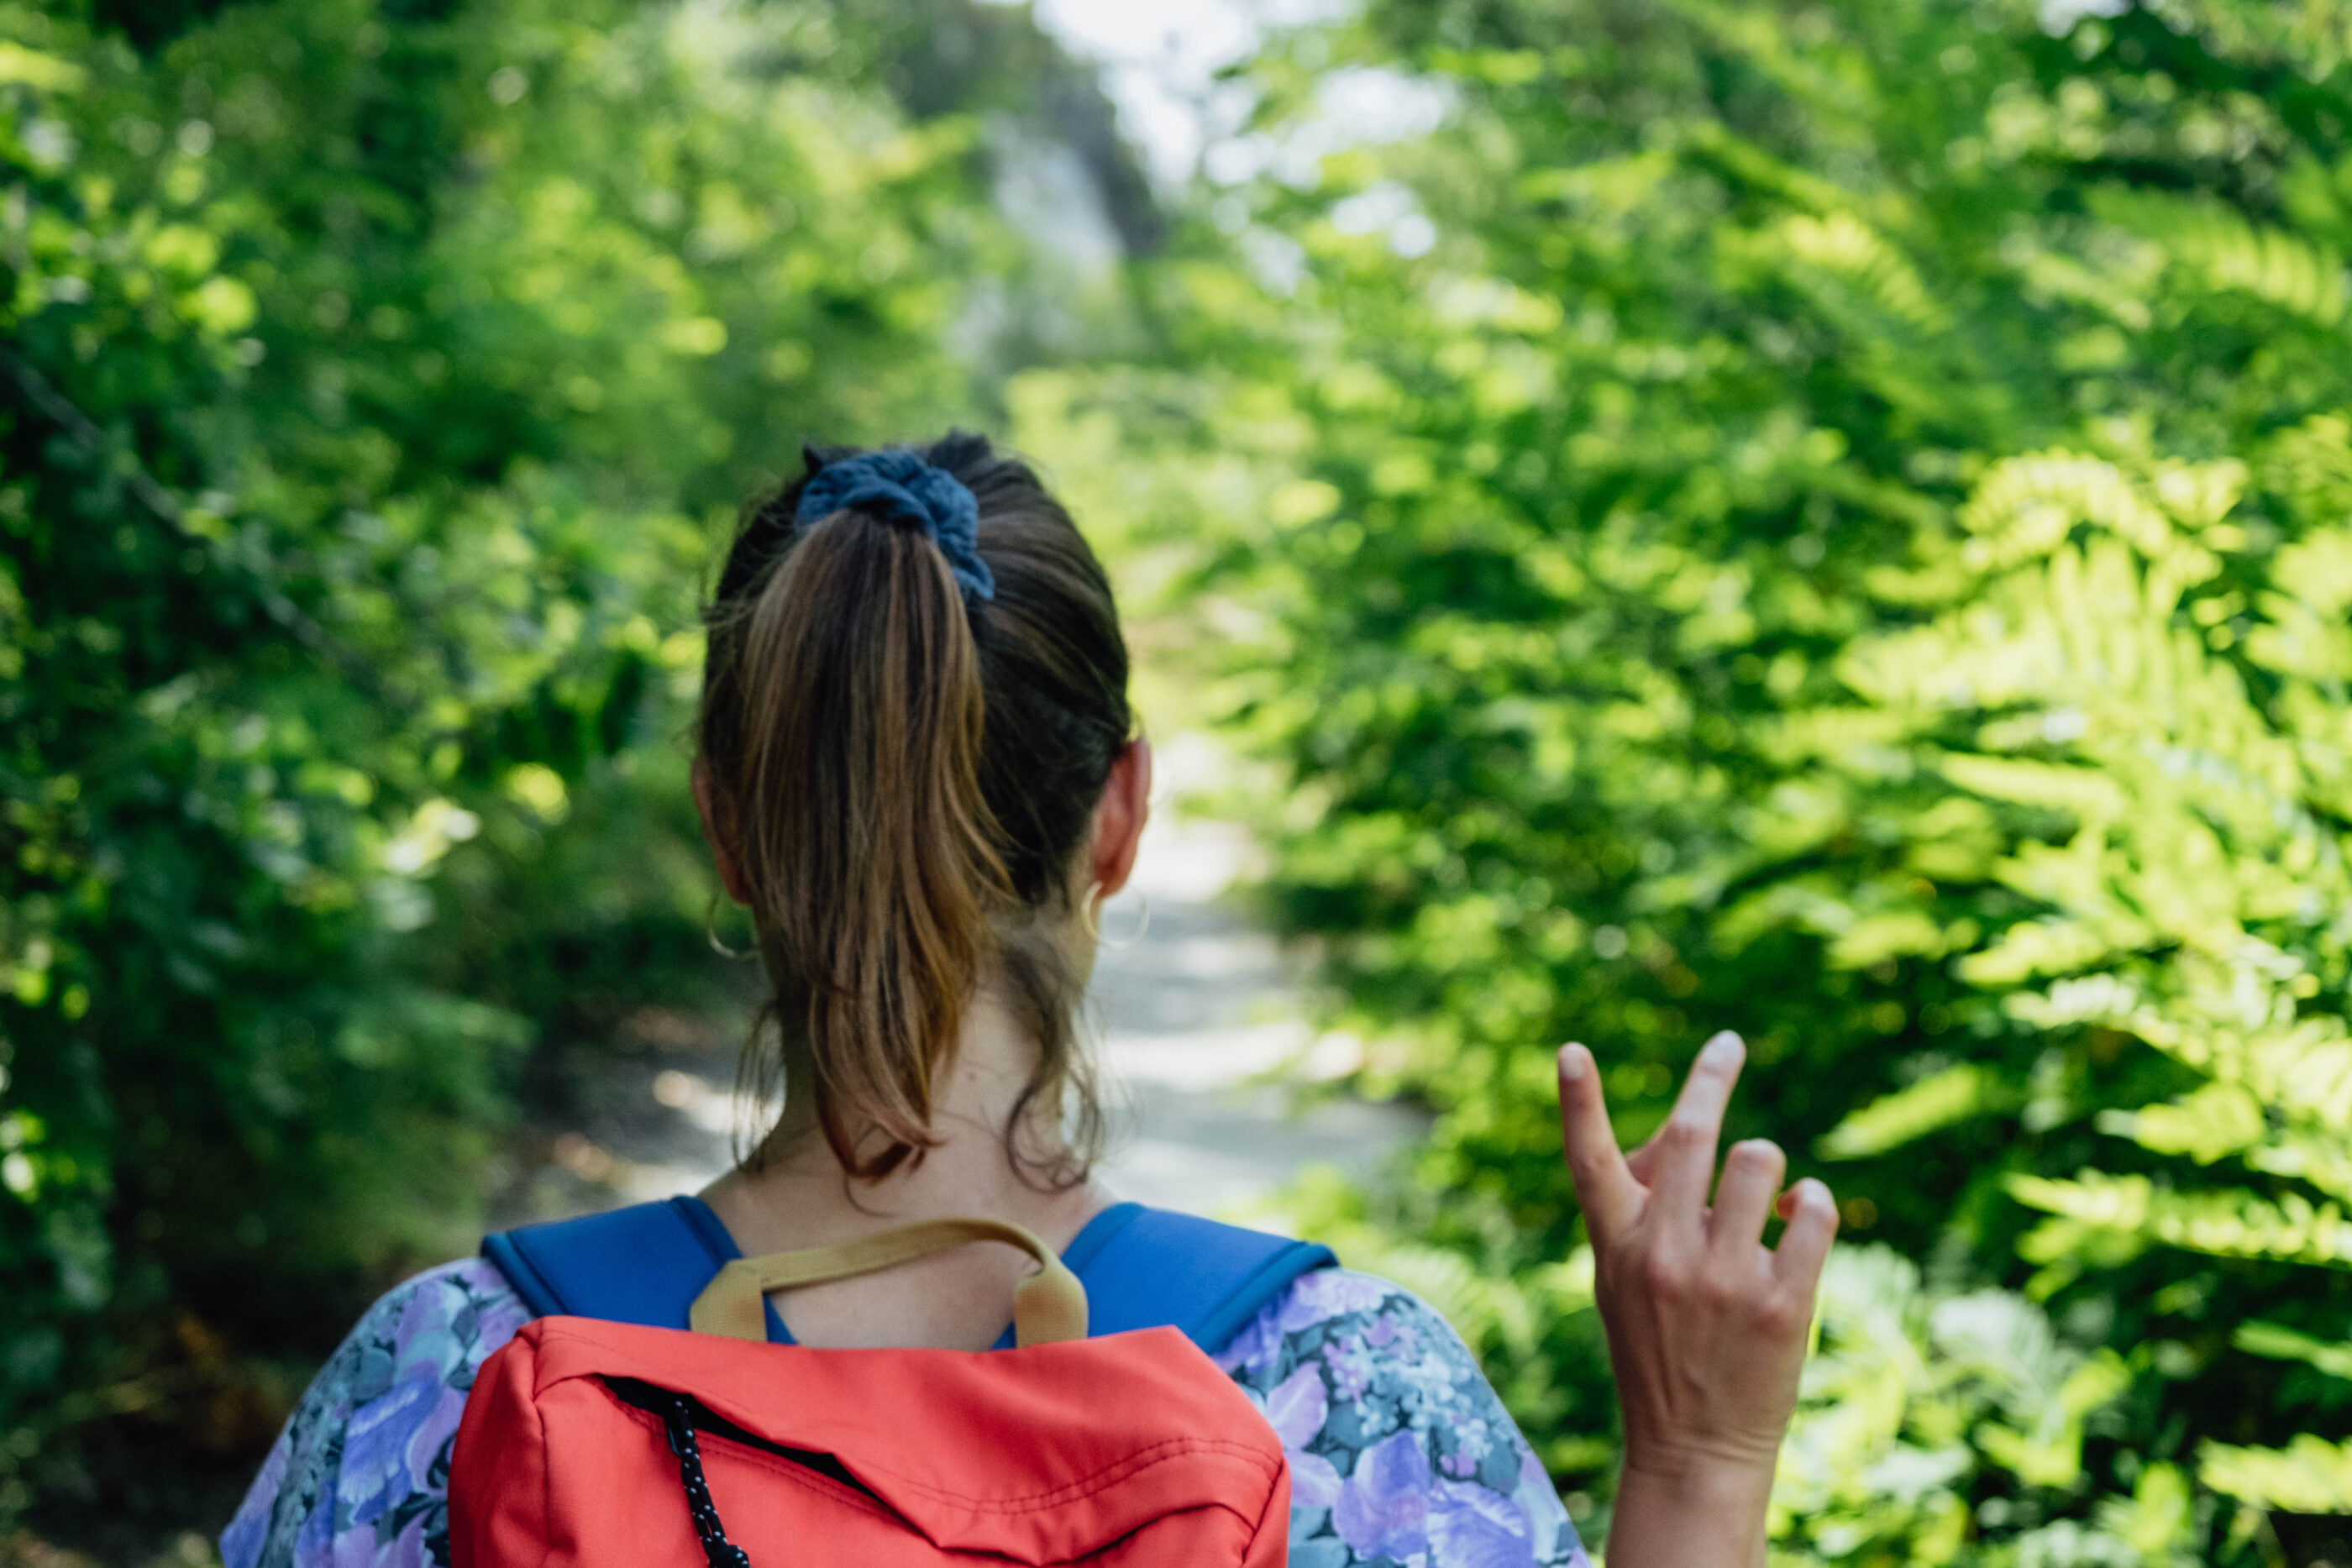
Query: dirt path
pixel 1197 1019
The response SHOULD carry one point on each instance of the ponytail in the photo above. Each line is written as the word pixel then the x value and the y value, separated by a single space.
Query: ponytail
pixel 865 677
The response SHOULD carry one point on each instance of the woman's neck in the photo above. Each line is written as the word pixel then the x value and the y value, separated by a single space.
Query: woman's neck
pixel 958 1300
pixel 801 1196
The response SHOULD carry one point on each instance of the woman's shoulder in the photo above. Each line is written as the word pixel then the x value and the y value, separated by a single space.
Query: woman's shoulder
pixel 366 1449
pixel 1344 1322
pixel 1398 1446
pixel 434 1328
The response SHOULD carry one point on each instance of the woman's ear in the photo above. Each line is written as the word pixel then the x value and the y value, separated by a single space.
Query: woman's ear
pixel 729 877
pixel 1119 820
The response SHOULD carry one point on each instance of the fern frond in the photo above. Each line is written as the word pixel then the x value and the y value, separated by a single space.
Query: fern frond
pixel 2025 506
pixel 2223 1224
pixel 1940 1100
pixel 2217 1120
pixel 2224 253
pixel 2087 794
pixel 2310 1475
pixel 2157 1522
pixel 2281 1344
pixel 1842 245
pixel 2311 465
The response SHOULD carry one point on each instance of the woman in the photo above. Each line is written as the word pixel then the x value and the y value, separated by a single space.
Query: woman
pixel 916 767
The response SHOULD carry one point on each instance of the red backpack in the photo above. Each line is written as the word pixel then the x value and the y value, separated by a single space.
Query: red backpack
pixel 678 1426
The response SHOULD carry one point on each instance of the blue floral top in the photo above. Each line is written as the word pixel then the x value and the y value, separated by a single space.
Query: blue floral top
pixel 1400 1453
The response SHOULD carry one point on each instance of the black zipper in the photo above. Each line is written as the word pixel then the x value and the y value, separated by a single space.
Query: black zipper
pixel 683 1416
pixel 649 1397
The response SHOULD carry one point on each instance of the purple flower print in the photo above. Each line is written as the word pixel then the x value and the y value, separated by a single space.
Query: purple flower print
pixel 375 1473
pixel 381 1548
pixel 1314 1481
pixel 1383 1510
pixel 1539 1503
pixel 240 1543
pixel 436 1429
pixel 315 1541
pixel 1254 1347
pixel 424 1312
pixel 1352 1367
pixel 1470 1527
pixel 1297 1408
pixel 1330 1294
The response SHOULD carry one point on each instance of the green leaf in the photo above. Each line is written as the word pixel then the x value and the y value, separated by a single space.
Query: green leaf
pixel 2283 1343
pixel 1954 1094
pixel 2310 1475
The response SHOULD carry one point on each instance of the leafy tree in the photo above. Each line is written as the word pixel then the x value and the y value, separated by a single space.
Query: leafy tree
pixel 1823 519
pixel 374 375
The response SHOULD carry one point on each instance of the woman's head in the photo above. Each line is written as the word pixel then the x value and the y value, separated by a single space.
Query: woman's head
pixel 905 736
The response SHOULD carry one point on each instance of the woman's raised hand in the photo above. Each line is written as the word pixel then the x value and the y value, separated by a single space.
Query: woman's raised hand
pixel 1706 1325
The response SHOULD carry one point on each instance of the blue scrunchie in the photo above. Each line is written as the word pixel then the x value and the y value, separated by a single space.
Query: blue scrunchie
pixel 902 487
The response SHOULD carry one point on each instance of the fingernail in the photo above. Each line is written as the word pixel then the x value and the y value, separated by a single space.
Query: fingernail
pixel 1572 1060
pixel 1722 1051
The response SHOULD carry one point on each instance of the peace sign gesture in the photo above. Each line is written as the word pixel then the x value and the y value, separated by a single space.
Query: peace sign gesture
pixel 1706 1325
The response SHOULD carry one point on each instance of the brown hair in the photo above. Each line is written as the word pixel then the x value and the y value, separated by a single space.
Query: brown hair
pixel 905 780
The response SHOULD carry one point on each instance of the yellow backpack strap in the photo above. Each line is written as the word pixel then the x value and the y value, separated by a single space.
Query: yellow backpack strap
pixel 1047 1306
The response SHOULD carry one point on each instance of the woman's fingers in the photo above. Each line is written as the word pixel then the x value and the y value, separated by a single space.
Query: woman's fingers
pixel 1813 1218
pixel 1642 1161
pixel 1683 1165
pixel 1743 1200
pixel 1604 1187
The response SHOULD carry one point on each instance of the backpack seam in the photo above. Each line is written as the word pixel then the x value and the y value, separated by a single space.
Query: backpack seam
pixel 1266 1509
pixel 1160 1453
pixel 544 1447
pixel 1111 1475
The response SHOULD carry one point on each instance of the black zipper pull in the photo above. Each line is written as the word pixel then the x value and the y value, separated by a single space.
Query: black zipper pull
pixel 679 1417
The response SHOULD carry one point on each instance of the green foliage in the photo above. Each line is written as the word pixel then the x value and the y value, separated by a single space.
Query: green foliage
pixel 375 376
pixel 1831 519
pixel 1918 1403
pixel 1828 520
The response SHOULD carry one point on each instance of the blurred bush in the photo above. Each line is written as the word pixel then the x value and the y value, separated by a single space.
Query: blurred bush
pixel 1835 521
pixel 373 377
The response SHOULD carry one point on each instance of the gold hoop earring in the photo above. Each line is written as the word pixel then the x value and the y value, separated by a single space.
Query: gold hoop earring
pixel 1093 916
pixel 711 929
